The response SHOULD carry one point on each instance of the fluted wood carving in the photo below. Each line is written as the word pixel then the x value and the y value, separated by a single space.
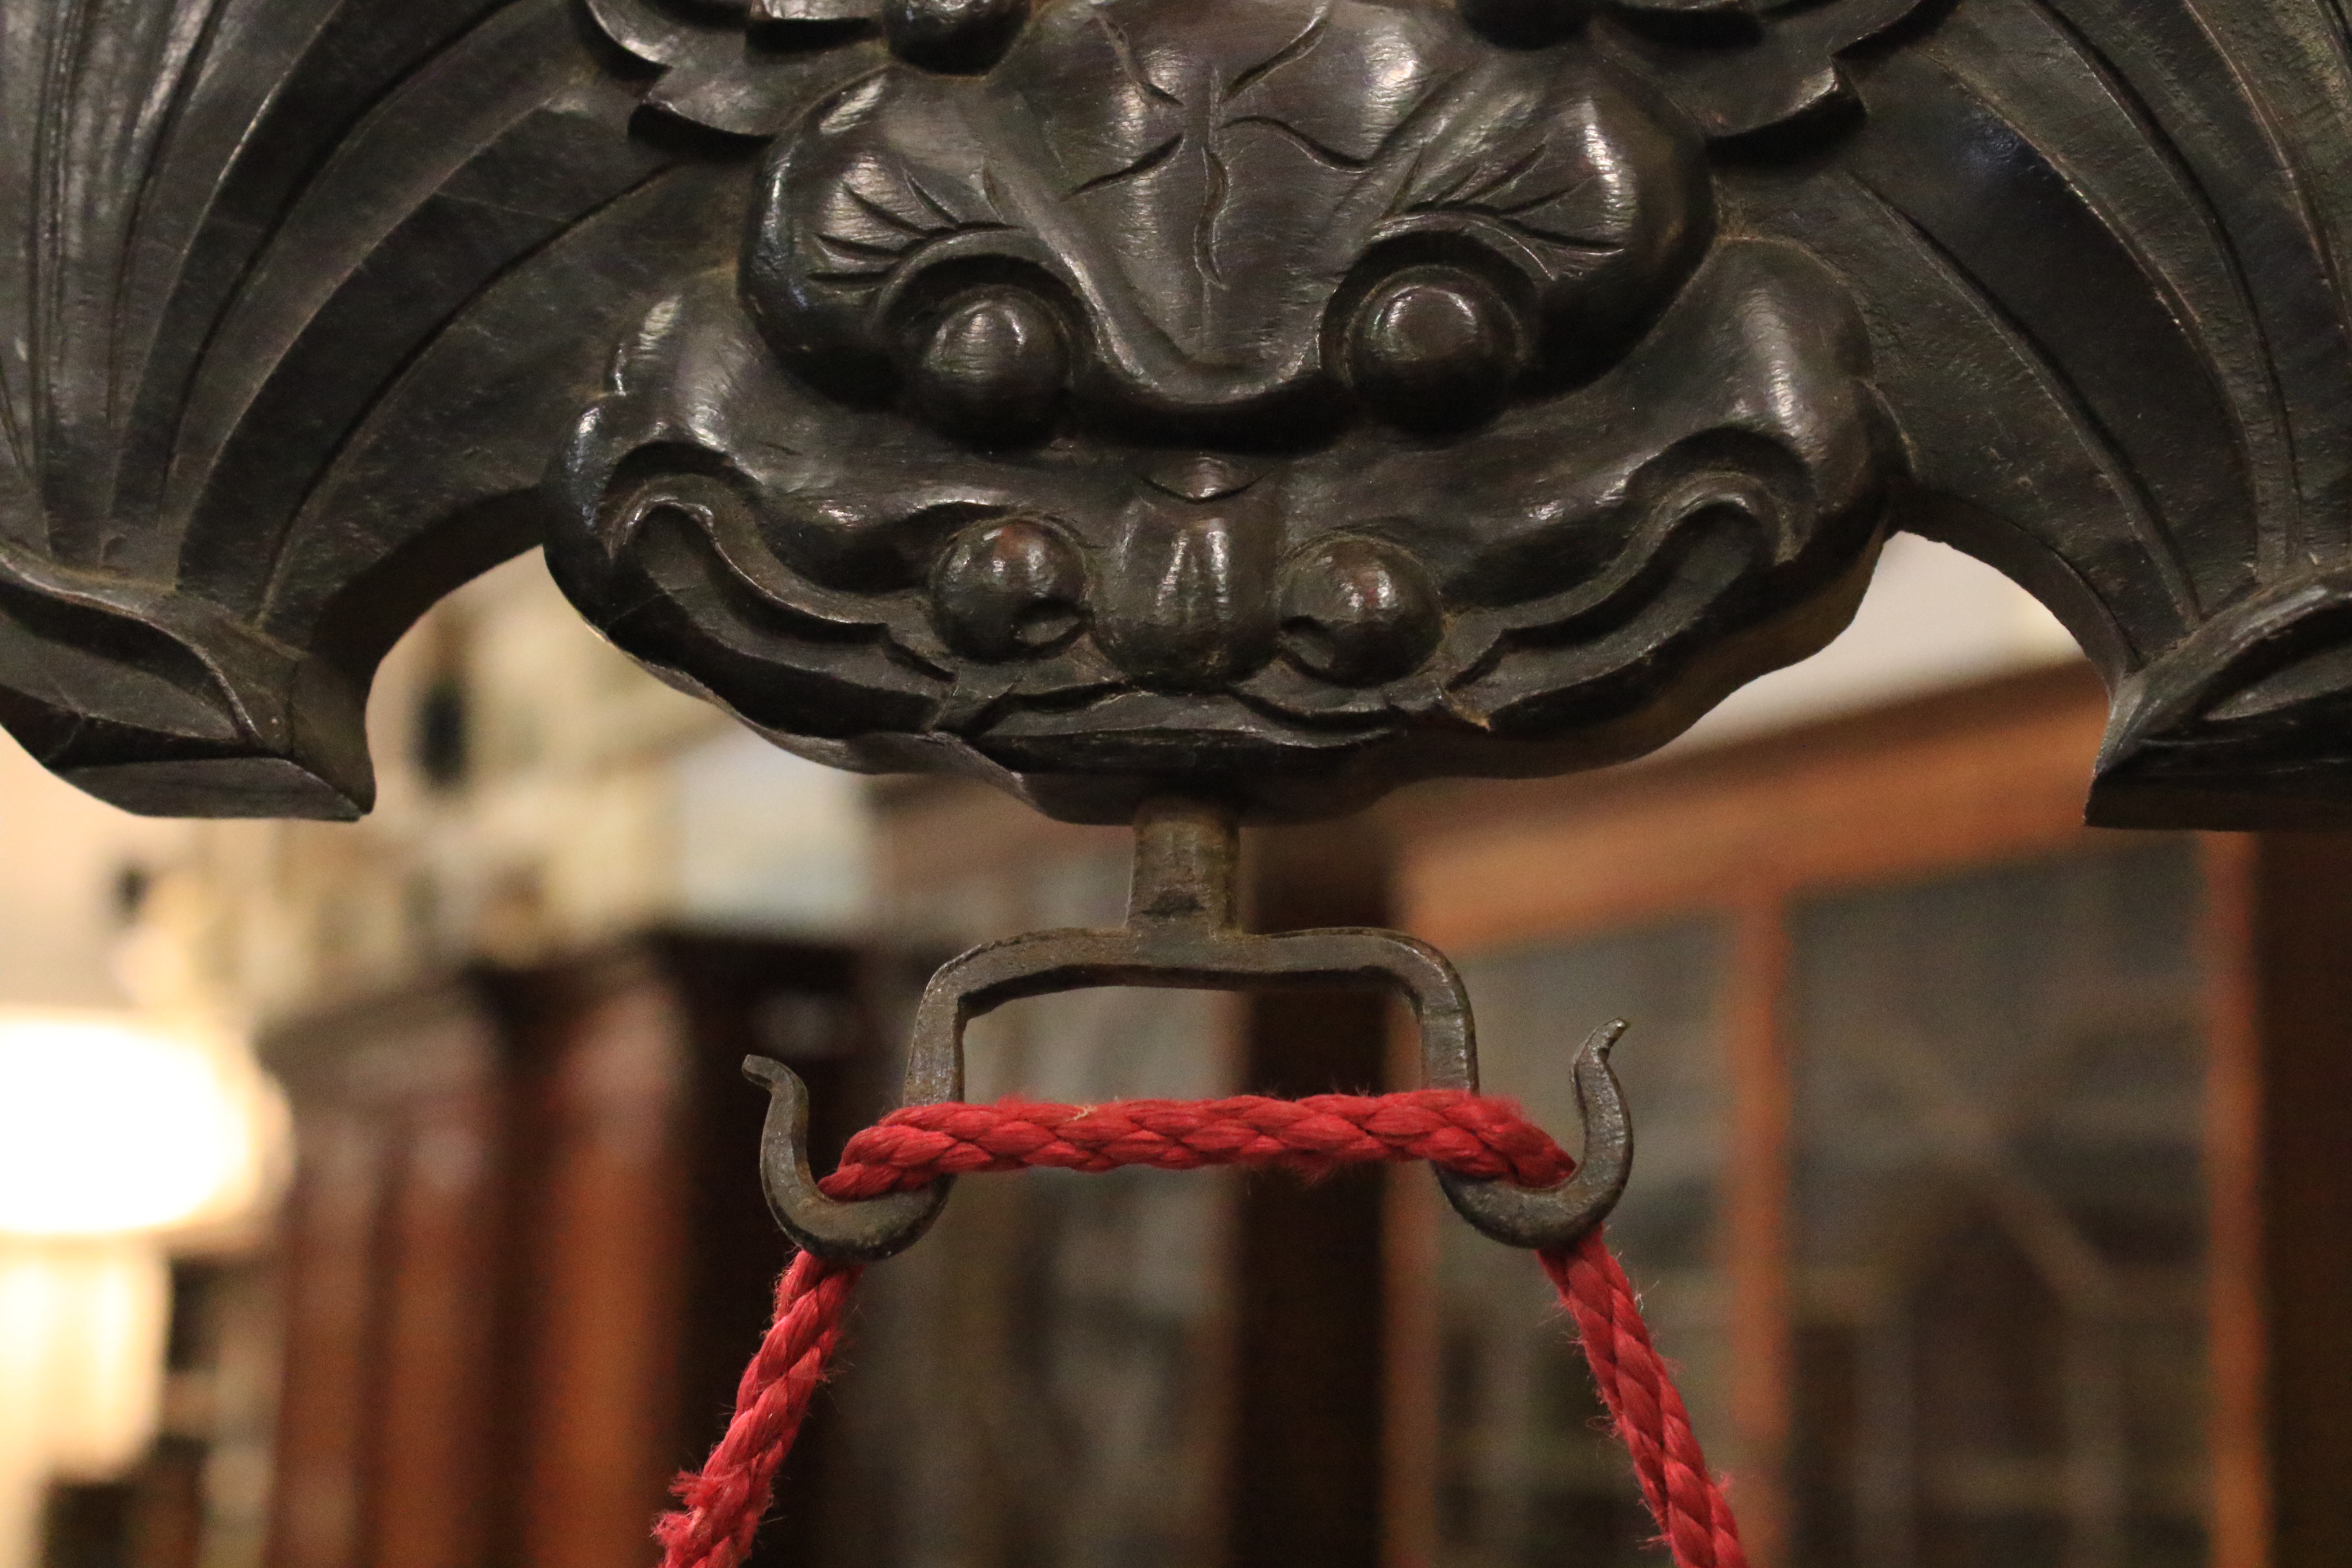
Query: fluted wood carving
pixel 1284 398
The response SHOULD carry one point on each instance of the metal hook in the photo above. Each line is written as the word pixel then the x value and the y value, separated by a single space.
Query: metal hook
pixel 1554 1218
pixel 864 1232
pixel 1182 931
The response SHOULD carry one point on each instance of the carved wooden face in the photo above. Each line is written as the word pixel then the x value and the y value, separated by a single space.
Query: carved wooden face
pixel 1283 397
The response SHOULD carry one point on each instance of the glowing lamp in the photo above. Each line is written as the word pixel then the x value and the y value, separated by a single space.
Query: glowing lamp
pixel 112 1135
pixel 107 1128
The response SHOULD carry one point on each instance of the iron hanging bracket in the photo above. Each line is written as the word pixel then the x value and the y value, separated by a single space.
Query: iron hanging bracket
pixel 1183 930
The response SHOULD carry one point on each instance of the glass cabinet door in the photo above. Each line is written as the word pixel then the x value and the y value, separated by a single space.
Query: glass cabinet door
pixel 2000 1215
pixel 1527 1474
pixel 1036 1385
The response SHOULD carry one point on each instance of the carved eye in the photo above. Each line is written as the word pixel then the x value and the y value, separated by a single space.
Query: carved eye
pixel 1434 348
pixel 994 366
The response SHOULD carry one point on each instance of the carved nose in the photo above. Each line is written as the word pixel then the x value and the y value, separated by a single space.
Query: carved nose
pixel 1198 476
pixel 1188 605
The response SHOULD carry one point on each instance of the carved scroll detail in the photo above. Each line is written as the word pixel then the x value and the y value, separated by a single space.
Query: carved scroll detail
pixel 1285 401
pixel 1293 398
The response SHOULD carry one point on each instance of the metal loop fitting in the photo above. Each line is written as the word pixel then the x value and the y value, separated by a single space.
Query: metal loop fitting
pixel 1182 931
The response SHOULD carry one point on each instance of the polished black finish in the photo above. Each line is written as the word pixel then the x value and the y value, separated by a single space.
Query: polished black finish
pixel 1279 398
pixel 1183 930
pixel 1388 394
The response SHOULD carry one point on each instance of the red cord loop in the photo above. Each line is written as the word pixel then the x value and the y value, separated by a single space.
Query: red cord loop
pixel 1462 1132
pixel 1471 1135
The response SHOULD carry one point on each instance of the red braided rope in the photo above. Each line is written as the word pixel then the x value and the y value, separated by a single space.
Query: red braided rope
pixel 1465 1132
pixel 1645 1406
pixel 725 1500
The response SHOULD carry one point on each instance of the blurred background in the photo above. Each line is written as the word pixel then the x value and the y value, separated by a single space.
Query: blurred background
pixel 384 1196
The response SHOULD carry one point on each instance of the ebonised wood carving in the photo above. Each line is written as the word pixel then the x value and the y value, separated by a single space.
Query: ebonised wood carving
pixel 1279 398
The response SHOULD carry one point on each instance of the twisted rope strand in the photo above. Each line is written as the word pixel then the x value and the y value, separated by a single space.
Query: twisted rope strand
pixel 1645 1404
pixel 1471 1135
pixel 1462 1132
pixel 726 1499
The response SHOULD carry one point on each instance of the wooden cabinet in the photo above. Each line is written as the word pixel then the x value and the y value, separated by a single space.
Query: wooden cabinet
pixel 1991 1198
pixel 526 1252
pixel 392 1239
pixel 2022 1237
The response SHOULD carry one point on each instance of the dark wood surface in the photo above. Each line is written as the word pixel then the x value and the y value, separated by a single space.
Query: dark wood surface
pixel 1308 1448
pixel 435 1362
pixel 1939 782
pixel 605 1087
pixel 2284 1202
pixel 1286 399
pixel 334 1316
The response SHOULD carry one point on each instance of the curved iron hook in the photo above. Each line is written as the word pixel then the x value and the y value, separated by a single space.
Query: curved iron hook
pixel 1182 931
pixel 864 1232
pixel 1554 1218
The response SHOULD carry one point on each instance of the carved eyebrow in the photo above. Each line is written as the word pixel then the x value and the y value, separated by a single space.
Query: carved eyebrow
pixel 1471 191
pixel 1461 190
pixel 903 224
pixel 1309 36
pixel 1474 187
pixel 1123 51
pixel 1423 106
pixel 1320 152
pixel 902 230
pixel 1150 160
pixel 940 209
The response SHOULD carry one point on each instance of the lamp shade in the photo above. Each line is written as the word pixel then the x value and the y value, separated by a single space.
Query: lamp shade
pixel 110 1127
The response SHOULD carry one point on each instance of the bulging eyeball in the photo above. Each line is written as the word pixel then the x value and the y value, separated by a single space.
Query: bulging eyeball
pixel 992 367
pixel 1434 349
pixel 1008 589
pixel 1358 612
pixel 952 35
